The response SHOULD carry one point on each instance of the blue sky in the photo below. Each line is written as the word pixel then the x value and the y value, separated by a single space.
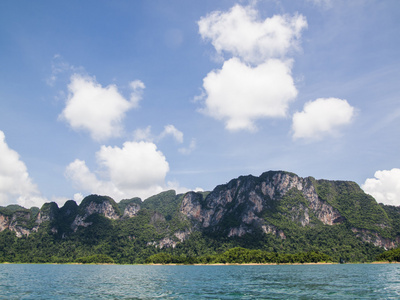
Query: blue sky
pixel 130 98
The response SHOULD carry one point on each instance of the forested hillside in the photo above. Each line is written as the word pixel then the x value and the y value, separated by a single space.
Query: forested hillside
pixel 284 217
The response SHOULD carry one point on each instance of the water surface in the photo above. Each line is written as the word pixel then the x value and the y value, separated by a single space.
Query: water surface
pixel 358 281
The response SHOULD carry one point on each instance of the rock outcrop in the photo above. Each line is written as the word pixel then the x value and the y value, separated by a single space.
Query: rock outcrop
pixel 248 203
pixel 95 204
pixel 131 210
pixel 244 200
pixel 266 205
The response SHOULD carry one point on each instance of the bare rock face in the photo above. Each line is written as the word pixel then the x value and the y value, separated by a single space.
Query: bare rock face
pixel 47 213
pixel 275 231
pixel 191 206
pixel 243 201
pixel 23 221
pixel 4 222
pixel 17 222
pixel 374 238
pixel 80 221
pixel 131 210
pixel 182 235
pixel 105 209
pixel 322 210
pixel 94 204
pixel 171 242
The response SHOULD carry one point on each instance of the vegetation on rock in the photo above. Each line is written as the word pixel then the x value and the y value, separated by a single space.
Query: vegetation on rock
pixel 275 218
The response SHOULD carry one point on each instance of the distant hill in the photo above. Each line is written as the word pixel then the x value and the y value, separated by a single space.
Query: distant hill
pixel 278 212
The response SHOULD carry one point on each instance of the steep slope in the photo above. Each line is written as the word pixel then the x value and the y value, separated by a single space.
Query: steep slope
pixel 277 212
pixel 277 202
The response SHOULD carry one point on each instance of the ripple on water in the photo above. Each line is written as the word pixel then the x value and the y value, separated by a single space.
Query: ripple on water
pixel 359 281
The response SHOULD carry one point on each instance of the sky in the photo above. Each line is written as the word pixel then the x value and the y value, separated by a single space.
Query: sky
pixel 132 98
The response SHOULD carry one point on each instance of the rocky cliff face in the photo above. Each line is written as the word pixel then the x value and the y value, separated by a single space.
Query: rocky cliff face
pixel 95 205
pixel 248 203
pixel 17 222
pixel 267 204
pixel 131 210
pixel 244 200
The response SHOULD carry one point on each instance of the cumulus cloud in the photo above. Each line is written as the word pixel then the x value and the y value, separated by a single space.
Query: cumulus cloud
pixel 240 94
pixel 16 186
pixel 385 187
pixel 256 82
pixel 170 130
pixel 137 169
pixel 242 33
pixel 96 109
pixel 324 116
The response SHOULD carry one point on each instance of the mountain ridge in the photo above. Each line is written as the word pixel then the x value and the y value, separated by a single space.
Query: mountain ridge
pixel 276 210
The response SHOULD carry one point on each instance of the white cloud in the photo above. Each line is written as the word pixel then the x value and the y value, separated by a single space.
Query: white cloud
pixel 324 116
pixel 99 110
pixel 143 134
pixel 385 187
pixel 137 169
pixel 189 149
pixel 78 197
pixel 240 94
pixel 242 33
pixel 16 186
pixel 137 87
pixel 256 82
pixel 172 131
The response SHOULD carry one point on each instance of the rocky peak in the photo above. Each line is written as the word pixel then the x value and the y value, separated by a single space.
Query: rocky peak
pixel 241 203
pixel 17 219
pixel 48 212
pixel 95 204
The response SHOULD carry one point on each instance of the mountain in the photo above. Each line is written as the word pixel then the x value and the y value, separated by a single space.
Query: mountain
pixel 277 212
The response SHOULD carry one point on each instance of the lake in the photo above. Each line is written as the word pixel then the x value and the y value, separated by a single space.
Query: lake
pixel 347 281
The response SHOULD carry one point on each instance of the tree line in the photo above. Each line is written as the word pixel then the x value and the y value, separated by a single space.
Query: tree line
pixel 239 255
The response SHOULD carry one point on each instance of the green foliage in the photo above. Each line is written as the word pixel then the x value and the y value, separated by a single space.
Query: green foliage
pixel 390 255
pixel 359 209
pixel 166 203
pixel 136 239
pixel 66 216
pixel 95 259
pixel 124 203
pixel 240 255
pixel 393 213
pixel 10 209
pixel 161 258
pixel 288 211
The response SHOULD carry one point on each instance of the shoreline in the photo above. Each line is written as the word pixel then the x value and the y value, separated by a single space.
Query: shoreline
pixel 215 264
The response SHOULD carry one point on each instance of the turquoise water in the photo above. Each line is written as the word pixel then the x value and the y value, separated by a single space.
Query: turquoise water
pixel 359 281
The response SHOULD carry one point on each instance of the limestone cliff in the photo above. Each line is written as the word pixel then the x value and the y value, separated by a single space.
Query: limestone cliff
pixel 244 200
pixel 272 204
pixel 95 204
pixel 248 203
